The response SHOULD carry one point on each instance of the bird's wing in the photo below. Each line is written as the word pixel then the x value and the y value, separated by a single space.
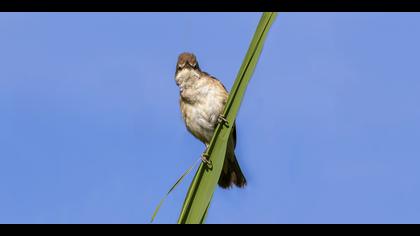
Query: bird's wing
pixel 233 135
pixel 214 79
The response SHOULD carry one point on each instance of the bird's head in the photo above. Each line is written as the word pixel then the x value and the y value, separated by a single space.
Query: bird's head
pixel 186 60
pixel 187 69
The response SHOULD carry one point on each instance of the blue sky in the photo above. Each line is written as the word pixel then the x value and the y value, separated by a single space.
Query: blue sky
pixel 91 132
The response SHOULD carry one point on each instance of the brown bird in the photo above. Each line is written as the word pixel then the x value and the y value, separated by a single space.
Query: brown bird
pixel 202 101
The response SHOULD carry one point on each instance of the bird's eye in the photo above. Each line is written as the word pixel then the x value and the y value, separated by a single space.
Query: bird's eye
pixel 180 66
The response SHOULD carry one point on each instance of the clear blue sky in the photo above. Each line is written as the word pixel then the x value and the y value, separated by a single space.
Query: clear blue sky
pixel 91 132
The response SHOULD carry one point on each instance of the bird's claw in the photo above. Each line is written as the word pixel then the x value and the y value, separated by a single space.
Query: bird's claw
pixel 222 120
pixel 205 160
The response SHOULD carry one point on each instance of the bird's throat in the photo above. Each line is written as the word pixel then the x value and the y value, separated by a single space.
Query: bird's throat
pixel 186 78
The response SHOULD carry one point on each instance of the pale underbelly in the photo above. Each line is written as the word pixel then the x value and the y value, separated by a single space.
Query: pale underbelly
pixel 201 121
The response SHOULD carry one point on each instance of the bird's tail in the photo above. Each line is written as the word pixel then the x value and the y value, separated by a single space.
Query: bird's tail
pixel 231 173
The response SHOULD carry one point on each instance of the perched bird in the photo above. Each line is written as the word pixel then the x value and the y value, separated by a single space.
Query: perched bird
pixel 202 101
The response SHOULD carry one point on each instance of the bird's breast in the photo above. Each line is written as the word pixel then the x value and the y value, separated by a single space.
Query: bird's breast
pixel 201 107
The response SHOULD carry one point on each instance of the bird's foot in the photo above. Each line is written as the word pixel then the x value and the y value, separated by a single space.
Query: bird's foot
pixel 222 120
pixel 205 159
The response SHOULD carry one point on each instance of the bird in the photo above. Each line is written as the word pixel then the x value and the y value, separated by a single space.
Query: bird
pixel 202 101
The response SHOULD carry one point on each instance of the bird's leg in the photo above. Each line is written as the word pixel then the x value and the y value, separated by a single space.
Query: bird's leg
pixel 205 157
